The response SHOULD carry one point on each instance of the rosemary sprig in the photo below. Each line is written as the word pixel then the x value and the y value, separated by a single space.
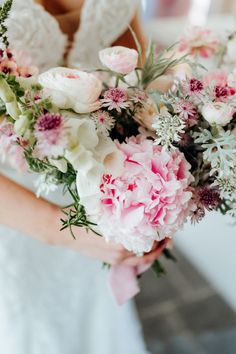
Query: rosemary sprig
pixel 4 14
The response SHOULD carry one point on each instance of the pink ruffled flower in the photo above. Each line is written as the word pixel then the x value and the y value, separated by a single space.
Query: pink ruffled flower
pixel 217 78
pixel 12 147
pixel 50 136
pixel 199 41
pixel 150 201
pixel 217 81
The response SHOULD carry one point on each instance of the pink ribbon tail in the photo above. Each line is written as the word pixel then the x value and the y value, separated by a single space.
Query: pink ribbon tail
pixel 123 282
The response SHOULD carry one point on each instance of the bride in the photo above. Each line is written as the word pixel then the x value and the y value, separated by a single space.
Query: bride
pixel 54 297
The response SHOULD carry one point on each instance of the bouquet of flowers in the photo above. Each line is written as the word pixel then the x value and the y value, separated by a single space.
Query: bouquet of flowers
pixel 137 162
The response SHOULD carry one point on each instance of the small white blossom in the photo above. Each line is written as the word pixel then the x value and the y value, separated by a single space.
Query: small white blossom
pixel 45 184
pixel 168 128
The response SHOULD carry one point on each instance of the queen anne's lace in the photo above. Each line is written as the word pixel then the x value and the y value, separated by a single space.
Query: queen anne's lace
pixel 35 34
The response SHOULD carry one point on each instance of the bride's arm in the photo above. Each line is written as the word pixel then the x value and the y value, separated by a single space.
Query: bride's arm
pixel 39 219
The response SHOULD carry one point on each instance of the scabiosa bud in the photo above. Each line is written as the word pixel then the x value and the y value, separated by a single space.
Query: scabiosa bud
pixel 208 198
pixel 197 215
pixel 49 121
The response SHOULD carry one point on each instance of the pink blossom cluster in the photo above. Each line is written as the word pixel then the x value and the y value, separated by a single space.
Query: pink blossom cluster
pixel 151 199
pixel 8 65
pixel 12 147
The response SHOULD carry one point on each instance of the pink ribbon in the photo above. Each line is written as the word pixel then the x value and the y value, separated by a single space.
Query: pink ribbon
pixel 123 281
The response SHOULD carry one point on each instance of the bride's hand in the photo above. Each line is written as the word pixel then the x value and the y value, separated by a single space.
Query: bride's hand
pixel 150 257
pixel 94 246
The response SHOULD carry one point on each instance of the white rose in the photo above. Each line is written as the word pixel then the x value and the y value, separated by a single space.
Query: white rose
pixel 119 59
pixel 217 113
pixel 70 88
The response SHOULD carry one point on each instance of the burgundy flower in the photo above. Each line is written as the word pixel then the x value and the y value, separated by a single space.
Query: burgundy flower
pixel 208 198
pixel 195 85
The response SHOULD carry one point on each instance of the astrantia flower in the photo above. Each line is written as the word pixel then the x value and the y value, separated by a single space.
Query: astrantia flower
pixel 138 96
pixel 115 98
pixel 197 215
pixel 186 110
pixel 50 136
pixel 149 201
pixel 103 121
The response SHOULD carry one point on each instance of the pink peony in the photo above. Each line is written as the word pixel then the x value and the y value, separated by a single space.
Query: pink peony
pixel 199 41
pixel 119 59
pixel 150 201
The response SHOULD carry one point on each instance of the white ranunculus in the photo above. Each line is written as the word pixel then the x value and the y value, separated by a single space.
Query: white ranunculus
pixel 119 59
pixel 70 88
pixel 218 113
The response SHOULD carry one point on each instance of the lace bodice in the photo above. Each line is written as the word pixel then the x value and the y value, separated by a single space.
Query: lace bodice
pixel 35 34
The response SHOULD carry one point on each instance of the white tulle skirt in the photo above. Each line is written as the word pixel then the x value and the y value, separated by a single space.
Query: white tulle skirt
pixel 56 301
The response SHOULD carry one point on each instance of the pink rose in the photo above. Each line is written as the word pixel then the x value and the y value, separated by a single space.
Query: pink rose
pixel 122 60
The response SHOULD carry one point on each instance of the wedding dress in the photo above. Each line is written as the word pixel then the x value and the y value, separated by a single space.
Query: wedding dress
pixel 53 300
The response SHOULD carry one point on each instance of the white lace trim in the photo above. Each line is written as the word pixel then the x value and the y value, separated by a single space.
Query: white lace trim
pixel 102 22
pixel 36 34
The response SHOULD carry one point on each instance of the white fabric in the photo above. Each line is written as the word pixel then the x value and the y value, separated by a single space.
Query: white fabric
pixel 53 300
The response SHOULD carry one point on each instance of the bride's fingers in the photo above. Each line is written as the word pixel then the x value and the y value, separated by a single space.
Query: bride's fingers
pixel 149 257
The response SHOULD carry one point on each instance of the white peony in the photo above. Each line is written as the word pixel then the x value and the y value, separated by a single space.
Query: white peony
pixel 218 113
pixel 70 88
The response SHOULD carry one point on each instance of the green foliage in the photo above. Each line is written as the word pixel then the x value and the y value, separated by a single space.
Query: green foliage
pixel 158 268
pixel 75 214
pixel 4 13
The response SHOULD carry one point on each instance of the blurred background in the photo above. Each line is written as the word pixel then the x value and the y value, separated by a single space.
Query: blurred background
pixel 193 309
